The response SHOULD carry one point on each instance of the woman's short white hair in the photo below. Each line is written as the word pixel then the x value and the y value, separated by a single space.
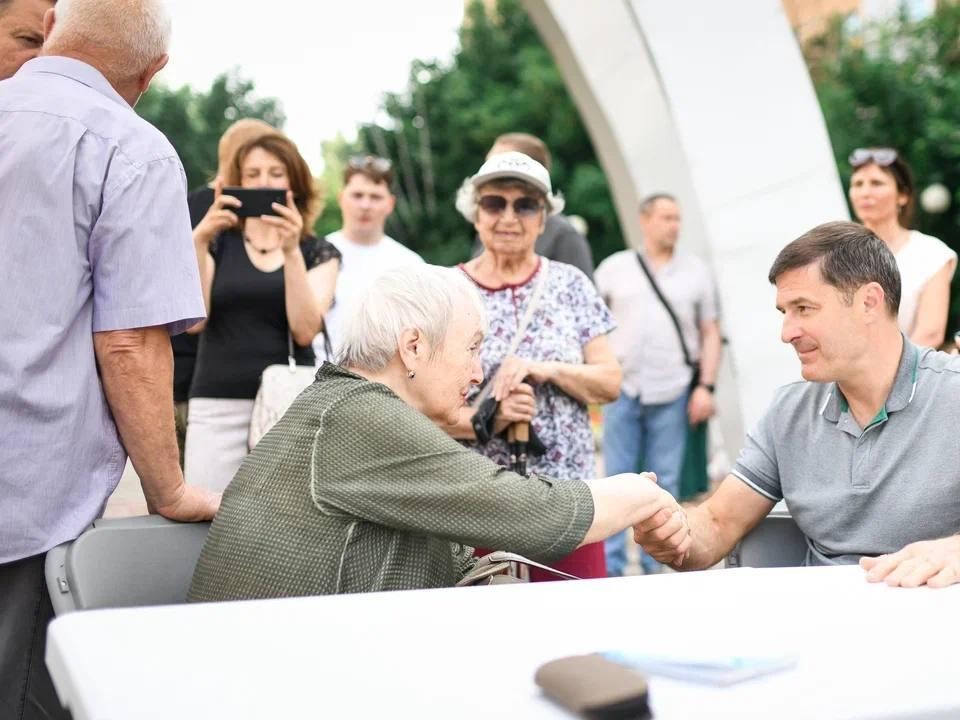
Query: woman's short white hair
pixel 415 296
pixel 136 33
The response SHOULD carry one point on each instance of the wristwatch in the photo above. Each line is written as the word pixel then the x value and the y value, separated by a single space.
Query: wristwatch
pixel 711 388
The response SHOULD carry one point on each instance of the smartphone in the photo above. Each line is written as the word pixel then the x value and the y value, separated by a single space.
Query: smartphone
pixel 256 201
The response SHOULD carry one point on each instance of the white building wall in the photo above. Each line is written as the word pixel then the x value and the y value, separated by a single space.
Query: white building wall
pixel 710 101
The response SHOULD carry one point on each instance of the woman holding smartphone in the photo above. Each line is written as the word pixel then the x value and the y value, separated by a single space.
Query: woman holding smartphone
pixel 267 284
pixel 882 196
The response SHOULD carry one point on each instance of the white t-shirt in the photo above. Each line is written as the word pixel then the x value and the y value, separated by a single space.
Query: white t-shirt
pixel 920 259
pixel 360 266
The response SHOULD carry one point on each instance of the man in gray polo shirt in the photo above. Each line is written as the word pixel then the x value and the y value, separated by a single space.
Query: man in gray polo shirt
pixel 864 452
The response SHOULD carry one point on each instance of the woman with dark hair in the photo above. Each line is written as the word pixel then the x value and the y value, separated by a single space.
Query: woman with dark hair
pixel 882 195
pixel 267 284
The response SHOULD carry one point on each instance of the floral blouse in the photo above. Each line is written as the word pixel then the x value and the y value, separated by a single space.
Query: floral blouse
pixel 570 314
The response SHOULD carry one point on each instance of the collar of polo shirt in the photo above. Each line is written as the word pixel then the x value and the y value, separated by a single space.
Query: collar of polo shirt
pixel 904 387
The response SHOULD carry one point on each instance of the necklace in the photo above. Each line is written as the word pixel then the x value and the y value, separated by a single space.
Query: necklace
pixel 262 251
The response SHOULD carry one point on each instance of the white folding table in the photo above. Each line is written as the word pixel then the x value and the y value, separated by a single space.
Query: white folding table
pixel 863 650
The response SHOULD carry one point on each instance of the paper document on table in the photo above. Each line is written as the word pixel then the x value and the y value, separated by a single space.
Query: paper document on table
pixel 704 668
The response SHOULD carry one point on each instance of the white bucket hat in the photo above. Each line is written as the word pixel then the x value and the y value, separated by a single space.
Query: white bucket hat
pixel 514 165
pixel 502 166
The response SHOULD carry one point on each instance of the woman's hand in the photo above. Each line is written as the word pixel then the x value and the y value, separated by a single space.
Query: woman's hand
pixel 513 372
pixel 519 406
pixel 219 216
pixel 287 223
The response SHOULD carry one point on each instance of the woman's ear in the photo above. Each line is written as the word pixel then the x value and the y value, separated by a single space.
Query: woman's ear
pixel 412 348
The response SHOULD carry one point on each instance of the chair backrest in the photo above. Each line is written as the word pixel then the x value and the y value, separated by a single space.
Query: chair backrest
pixel 125 562
pixel 775 542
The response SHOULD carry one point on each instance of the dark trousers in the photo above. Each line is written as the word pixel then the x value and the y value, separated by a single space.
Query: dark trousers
pixel 26 690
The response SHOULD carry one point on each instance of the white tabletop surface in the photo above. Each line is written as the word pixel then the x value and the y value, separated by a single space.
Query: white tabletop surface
pixel 864 651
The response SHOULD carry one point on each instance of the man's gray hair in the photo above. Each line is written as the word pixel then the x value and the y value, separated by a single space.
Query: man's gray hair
pixel 647 203
pixel 136 33
pixel 415 296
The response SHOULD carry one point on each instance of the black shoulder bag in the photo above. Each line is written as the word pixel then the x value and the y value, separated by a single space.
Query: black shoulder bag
pixel 694 365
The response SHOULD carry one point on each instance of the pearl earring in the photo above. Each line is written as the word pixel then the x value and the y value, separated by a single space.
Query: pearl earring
pixel 411 374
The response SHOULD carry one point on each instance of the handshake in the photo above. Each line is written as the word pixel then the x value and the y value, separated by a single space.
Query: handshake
pixel 662 531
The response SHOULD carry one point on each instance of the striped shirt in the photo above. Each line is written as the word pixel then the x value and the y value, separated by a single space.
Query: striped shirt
pixel 95 236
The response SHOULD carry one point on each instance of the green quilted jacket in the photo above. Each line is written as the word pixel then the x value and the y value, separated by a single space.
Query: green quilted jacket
pixel 355 491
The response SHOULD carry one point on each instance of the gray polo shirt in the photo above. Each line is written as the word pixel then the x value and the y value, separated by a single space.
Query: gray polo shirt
pixel 645 340
pixel 864 491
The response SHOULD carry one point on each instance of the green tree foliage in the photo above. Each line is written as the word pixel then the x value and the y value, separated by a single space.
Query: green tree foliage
pixel 897 83
pixel 194 120
pixel 335 154
pixel 502 79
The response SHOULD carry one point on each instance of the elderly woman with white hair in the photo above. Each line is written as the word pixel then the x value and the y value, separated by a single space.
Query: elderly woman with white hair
pixel 357 488
pixel 546 357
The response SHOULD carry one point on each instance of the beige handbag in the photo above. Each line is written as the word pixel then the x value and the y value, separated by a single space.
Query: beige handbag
pixel 279 387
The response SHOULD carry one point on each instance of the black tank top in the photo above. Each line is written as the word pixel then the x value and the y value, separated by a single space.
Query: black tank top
pixel 247 326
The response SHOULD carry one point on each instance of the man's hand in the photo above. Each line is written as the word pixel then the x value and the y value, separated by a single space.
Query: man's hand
pixel 189 504
pixel 665 535
pixel 519 406
pixel 701 406
pixel 136 370
pixel 935 563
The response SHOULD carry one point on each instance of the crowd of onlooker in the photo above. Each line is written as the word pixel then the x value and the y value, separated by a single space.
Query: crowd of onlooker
pixel 449 409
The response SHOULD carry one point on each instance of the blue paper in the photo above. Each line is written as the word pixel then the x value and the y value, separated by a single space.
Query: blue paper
pixel 705 668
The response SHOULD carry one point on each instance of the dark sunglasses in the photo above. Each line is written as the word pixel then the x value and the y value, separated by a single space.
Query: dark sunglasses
pixel 522 206
pixel 370 162
pixel 883 156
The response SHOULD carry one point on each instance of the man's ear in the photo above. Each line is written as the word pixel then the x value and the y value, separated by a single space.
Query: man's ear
pixel 874 300
pixel 49 20
pixel 156 66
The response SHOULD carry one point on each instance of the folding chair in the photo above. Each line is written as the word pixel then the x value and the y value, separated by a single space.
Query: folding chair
pixel 775 542
pixel 125 562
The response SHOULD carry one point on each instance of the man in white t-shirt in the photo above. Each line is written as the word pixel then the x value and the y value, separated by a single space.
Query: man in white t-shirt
pixel 365 202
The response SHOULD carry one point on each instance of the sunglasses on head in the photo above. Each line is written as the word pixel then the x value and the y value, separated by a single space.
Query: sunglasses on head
pixel 522 206
pixel 370 162
pixel 881 156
